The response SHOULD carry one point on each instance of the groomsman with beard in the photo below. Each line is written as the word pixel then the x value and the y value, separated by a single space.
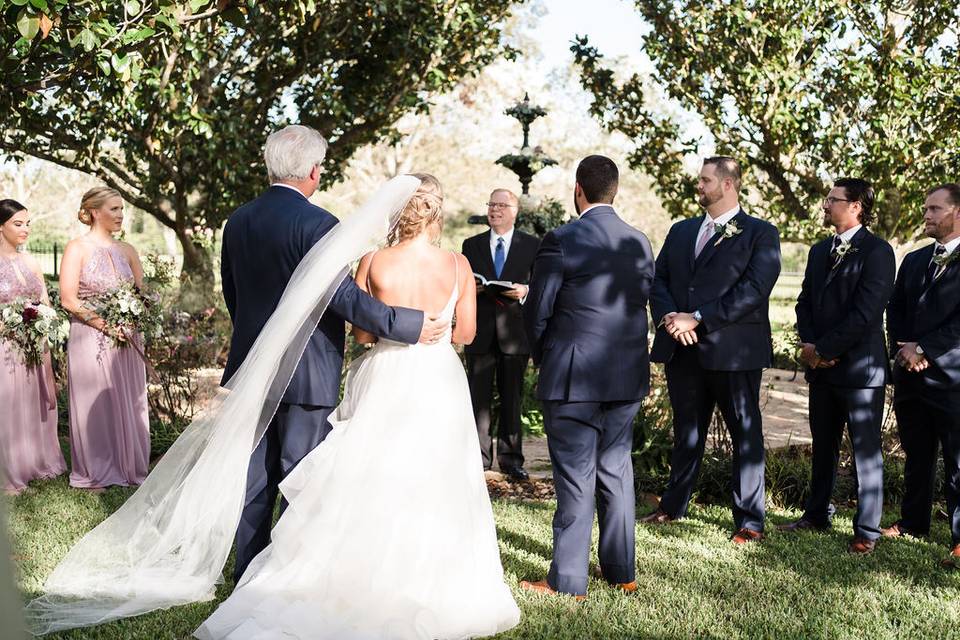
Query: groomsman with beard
pixel 710 301
pixel 847 284
pixel 500 349
pixel 923 320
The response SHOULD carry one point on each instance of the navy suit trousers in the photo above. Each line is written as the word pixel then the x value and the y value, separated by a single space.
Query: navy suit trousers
pixel 694 393
pixel 590 444
pixel 293 433
pixel 861 411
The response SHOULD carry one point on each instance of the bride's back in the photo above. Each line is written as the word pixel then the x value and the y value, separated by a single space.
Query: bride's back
pixel 415 275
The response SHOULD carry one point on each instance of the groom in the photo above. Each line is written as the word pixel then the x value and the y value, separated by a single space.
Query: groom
pixel 586 320
pixel 263 242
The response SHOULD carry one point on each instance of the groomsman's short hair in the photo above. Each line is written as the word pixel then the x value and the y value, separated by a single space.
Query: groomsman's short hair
pixel 727 168
pixel 859 190
pixel 599 178
pixel 292 152
pixel 952 189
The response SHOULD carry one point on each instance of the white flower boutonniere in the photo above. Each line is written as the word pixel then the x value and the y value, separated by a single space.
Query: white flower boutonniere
pixel 842 252
pixel 727 230
pixel 943 261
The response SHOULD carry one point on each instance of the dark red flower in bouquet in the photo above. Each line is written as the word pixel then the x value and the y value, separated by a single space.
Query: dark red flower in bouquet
pixel 30 314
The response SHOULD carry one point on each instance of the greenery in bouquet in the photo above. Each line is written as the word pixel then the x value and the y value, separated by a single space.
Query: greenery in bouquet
pixel 32 327
pixel 137 310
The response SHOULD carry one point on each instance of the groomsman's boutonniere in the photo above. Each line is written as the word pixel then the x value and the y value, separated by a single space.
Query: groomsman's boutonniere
pixel 943 261
pixel 842 252
pixel 727 230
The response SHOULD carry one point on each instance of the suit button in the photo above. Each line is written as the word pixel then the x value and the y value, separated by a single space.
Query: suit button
pixel 689 288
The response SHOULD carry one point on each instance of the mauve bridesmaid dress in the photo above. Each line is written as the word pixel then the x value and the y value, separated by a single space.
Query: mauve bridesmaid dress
pixel 29 447
pixel 109 428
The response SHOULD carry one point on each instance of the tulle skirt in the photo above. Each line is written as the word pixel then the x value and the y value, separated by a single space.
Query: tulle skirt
pixel 389 531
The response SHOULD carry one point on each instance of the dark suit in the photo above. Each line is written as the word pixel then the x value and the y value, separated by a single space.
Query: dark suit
pixel 927 404
pixel 500 348
pixel 729 283
pixel 263 242
pixel 840 310
pixel 587 323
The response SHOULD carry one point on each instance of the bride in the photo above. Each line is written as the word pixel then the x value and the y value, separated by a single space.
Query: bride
pixel 389 531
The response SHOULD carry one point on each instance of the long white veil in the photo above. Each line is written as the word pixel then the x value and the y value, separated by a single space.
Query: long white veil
pixel 168 543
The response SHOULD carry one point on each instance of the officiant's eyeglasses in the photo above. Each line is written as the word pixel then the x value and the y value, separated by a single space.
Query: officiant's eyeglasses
pixel 499 205
pixel 829 201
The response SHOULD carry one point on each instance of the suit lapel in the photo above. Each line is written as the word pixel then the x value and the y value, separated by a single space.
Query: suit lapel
pixel 513 254
pixel 715 243
pixel 689 240
pixel 922 267
pixel 948 275
pixel 486 260
pixel 855 242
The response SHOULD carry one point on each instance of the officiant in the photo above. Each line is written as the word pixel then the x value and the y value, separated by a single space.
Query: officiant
pixel 500 351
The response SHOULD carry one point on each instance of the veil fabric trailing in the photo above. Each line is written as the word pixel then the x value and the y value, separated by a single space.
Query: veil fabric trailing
pixel 168 543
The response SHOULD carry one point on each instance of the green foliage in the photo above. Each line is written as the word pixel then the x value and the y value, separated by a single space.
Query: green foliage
pixel 802 93
pixel 537 217
pixel 172 106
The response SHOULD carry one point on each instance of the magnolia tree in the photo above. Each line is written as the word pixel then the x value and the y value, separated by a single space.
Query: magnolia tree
pixel 801 92
pixel 170 102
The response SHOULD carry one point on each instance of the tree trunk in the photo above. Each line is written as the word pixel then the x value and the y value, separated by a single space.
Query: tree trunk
pixel 196 278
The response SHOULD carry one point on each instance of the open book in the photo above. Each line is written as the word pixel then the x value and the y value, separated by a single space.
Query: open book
pixel 494 286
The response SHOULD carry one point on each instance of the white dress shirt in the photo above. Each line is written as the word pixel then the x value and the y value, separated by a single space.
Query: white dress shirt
pixel 723 219
pixel 507 239
pixel 847 235
pixel 951 246
pixel 594 206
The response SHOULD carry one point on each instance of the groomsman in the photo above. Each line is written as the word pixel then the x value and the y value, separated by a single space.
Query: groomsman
pixel 923 320
pixel 710 301
pixel 847 284
pixel 586 317
pixel 500 349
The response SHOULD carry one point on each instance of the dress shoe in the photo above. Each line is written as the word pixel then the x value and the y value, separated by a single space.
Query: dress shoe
pixel 657 517
pixel 801 525
pixel 896 530
pixel 744 535
pixel 861 546
pixel 515 473
pixel 953 559
pixel 542 586
pixel 628 587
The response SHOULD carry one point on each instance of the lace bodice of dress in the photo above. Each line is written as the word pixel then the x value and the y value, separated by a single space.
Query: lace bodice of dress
pixel 104 269
pixel 18 281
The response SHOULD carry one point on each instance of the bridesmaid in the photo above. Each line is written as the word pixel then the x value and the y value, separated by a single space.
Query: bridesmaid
pixel 109 429
pixel 29 447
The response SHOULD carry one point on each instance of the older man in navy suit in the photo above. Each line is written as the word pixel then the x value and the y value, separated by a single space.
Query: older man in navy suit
pixel 586 319
pixel 923 320
pixel 846 286
pixel 263 242
pixel 710 301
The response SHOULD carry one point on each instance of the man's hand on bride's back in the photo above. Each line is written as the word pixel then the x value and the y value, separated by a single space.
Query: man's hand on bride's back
pixel 433 330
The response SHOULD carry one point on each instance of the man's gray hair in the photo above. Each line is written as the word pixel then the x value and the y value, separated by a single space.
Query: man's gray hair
pixel 292 152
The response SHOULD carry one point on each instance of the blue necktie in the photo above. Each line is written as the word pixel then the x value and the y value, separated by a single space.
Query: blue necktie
pixel 499 257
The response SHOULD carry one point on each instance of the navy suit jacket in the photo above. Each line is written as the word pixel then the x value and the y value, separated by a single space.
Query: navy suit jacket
pixel 840 310
pixel 586 314
pixel 500 319
pixel 729 283
pixel 929 314
pixel 263 242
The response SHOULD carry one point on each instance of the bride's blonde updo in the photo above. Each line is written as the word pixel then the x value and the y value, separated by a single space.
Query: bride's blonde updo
pixel 423 209
pixel 93 200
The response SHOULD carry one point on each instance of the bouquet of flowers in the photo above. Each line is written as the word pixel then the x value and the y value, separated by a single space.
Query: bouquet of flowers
pixel 32 328
pixel 130 310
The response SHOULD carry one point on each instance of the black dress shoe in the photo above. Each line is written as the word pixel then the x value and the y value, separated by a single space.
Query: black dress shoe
pixel 515 473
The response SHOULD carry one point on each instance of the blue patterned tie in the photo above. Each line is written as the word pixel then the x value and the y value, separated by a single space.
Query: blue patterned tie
pixel 499 257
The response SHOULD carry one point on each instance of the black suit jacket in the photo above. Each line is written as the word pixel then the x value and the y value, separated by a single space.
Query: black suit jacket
pixel 729 283
pixel 500 319
pixel 929 314
pixel 586 313
pixel 263 242
pixel 840 310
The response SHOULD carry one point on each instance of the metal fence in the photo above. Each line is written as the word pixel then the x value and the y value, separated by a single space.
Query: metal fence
pixel 48 254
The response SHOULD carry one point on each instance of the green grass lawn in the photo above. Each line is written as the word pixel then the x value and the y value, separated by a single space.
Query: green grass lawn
pixel 693 582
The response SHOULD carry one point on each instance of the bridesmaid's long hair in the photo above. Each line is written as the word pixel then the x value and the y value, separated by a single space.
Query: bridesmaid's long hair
pixel 92 200
pixel 423 209
pixel 8 209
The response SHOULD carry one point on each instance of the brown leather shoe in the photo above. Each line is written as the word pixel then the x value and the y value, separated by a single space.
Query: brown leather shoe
pixel 657 517
pixel 861 546
pixel 628 587
pixel 952 560
pixel 744 535
pixel 542 586
pixel 896 530
pixel 801 525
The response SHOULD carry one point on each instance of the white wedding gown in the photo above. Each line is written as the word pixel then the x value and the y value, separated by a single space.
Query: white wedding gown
pixel 389 531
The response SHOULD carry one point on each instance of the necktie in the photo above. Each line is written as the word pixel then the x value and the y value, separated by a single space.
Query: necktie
pixel 499 257
pixel 837 241
pixel 705 235
pixel 933 268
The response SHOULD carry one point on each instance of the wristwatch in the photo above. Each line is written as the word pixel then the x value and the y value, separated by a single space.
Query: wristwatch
pixel 919 350
pixel 697 316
